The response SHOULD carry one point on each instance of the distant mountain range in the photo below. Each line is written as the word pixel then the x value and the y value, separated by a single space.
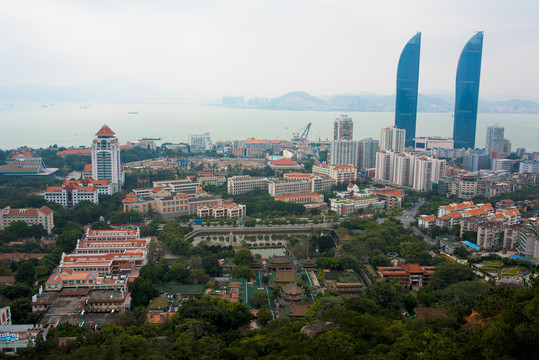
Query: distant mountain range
pixel 128 90
pixel 300 101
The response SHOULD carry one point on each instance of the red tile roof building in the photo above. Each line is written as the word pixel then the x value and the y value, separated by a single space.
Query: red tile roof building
pixel 74 191
pixel 306 198
pixel 42 216
pixel 226 210
pixel 344 173
pixel 283 164
pixel 407 275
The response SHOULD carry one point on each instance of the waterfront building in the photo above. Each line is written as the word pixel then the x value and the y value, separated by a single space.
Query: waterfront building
pixel 343 128
pixel 367 153
pixel 494 140
pixel 467 92
pixel 506 147
pixel 200 142
pixel 393 138
pixel 407 87
pixel 344 152
pixel 106 164
pixel 433 142
pixel 42 216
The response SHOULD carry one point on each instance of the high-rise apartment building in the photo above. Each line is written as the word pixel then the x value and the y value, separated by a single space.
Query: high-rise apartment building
pixel 384 165
pixel 467 92
pixel 367 153
pixel 408 170
pixel 344 152
pixel 392 138
pixel 404 169
pixel 343 128
pixel 106 163
pixel 494 141
pixel 407 85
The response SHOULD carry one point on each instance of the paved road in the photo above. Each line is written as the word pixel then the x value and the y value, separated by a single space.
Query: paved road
pixel 408 215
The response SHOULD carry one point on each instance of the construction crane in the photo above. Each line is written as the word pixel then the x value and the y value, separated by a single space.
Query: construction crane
pixel 303 137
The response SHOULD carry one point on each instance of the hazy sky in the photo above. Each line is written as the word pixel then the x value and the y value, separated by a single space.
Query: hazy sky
pixel 267 48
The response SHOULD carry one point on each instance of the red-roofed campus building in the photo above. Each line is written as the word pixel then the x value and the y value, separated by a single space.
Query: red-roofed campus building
pixel 226 210
pixel 43 216
pixel 283 164
pixel 344 173
pixel 74 191
pixel 407 275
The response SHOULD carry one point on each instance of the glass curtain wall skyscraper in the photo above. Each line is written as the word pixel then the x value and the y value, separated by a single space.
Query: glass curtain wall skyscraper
pixel 407 84
pixel 467 92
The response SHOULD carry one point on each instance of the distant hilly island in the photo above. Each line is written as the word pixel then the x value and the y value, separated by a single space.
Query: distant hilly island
pixel 302 101
pixel 127 90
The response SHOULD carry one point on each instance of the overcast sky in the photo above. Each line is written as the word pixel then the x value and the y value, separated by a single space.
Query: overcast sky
pixel 270 47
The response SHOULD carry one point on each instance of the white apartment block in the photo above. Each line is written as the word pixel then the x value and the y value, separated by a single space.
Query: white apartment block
pixel 502 165
pixel 344 152
pixel 342 173
pixel 408 170
pixel 200 142
pixel 429 143
pixel 71 194
pixel 106 164
pixel 392 138
pixel 384 165
pixel 279 188
pixel 404 169
pixel 245 183
pixel 43 216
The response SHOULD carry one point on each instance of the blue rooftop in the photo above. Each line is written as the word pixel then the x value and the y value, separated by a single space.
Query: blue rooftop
pixel 522 258
pixel 472 245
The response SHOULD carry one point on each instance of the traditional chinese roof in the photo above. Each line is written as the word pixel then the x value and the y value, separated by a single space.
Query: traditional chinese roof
pixel 105 131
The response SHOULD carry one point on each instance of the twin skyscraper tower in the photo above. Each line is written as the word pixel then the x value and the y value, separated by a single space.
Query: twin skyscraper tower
pixel 466 94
